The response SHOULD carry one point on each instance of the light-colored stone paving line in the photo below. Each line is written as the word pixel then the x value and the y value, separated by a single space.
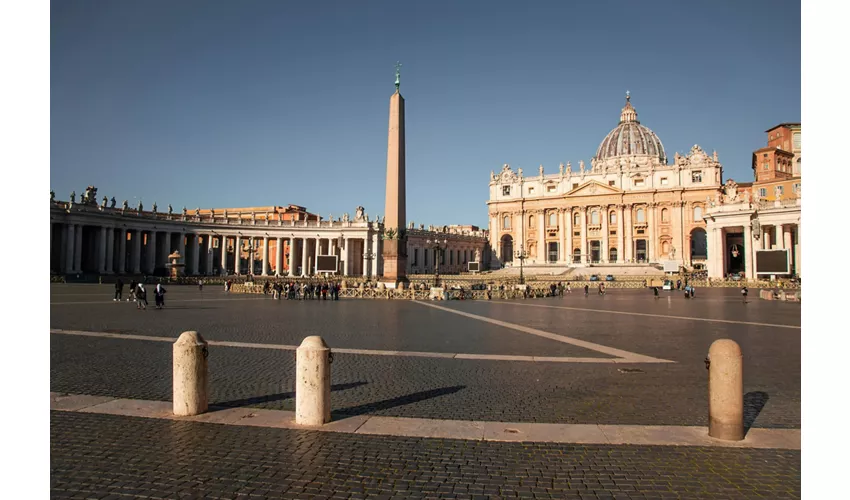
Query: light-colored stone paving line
pixel 611 351
pixel 603 434
pixel 372 352
pixel 665 316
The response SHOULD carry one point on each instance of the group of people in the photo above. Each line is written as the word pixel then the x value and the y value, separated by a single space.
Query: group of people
pixel 296 291
pixel 139 294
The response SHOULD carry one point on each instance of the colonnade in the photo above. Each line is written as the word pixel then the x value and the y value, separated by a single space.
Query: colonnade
pixel 77 247
pixel 778 236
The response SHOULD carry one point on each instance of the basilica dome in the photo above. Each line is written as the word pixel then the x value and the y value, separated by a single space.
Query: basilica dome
pixel 631 138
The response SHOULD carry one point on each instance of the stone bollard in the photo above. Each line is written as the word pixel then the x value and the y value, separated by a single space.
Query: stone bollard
pixel 313 382
pixel 725 365
pixel 190 376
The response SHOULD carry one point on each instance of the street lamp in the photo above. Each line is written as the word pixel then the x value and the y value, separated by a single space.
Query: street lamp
pixel 521 254
pixel 439 250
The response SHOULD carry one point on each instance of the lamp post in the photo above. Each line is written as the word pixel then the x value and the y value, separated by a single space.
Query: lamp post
pixel 521 254
pixel 439 247
pixel 369 256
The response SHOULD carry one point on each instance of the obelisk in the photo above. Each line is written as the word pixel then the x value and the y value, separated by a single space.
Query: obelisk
pixel 395 237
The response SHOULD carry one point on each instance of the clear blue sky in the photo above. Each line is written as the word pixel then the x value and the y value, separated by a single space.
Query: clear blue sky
pixel 229 104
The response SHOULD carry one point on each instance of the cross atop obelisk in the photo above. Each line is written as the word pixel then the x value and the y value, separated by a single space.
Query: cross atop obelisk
pixel 395 238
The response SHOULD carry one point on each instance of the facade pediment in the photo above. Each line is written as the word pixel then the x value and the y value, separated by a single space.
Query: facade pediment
pixel 593 188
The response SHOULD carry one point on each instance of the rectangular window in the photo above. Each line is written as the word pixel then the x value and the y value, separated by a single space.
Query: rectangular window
pixel 663 181
pixel 611 183
pixel 638 182
pixel 550 189
pixel 762 192
pixel 506 190
pixel 531 190
pixel 796 187
pixel 780 189
pixel 797 141
pixel 766 166
pixel 696 176
pixel 640 231
pixel 575 185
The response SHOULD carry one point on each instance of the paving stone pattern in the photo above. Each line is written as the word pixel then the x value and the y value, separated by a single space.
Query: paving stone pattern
pixel 657 394
pixel 105 456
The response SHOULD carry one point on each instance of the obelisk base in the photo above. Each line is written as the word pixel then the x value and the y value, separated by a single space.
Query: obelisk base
pixel 395 263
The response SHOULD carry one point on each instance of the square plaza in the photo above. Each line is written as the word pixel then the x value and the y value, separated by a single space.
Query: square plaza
pixel 412 377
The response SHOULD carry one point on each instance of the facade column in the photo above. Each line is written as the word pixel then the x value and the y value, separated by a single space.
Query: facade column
pixel 101 250
pixel 265 255
pixel 568 235
pixel 78 248
pixel 68 262
pixel 151 246
pixel 110 250
pixel 521 217
pixel 122 251
pixel 628 234
pixel 585 256
pixel 237 255
pixel 542 255
pixel 797 249
pixel 750 272
pixel 605 253
pixel 675 215
pixel 620 255
pixel 345 254
pixel 136 256
pixel 786 238
pixel 303 256
pixel 651 257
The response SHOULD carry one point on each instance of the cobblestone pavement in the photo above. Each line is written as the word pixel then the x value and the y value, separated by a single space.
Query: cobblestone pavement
pixel 104 456
pixel 510 391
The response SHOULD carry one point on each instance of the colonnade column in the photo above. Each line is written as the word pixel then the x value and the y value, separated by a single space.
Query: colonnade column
pixel 365 261
pixel 541 237
pixel 303 256
pixel 237 255
pixel 136 255
pixel 628 233
pixel 786 243
pixel 345 254
pixel 720 251
pixel 122 251
pixel 650 207
pixel 101 250
pixel 749 248
pixel 195 254
pixel 151 246
pixel 110 250
pixel 222 245
pixel 291 260
pixel 568 235
pixel 620 255
pixel 69 249
pixel 278 257
pixel 78 248
pixel 210 253
pixel 797 250
pixel 605 253
pixel 315 266
pixel 265 255
pixel 377 253
pixel 585 257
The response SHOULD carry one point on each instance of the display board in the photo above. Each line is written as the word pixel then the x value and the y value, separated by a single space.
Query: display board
pixel 671 266
pixel 474 266
pixel 327 263
pixel 773 262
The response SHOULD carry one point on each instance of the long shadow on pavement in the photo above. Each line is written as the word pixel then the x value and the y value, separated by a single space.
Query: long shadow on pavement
pixel 278 397
pixel 753 404
pixel 394 402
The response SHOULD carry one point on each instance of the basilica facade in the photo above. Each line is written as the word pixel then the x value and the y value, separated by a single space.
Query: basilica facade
pixel 629 206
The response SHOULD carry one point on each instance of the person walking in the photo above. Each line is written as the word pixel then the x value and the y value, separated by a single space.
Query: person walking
pixel 200 285
pixel 119 287
pixel 744 292
pixel 655 291
pixel 159 296
pixel 586 290
pixel 132 294
pixel 141 297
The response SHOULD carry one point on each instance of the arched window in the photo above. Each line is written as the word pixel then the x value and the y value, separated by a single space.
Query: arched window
pixel 553 219
pixel 799 165
pixel 697 213
pixel 612 217
pixel 594 217
pixel 506 222
pixel 576 219
pixel 640 216
pixel 530 221
pixel 665 215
